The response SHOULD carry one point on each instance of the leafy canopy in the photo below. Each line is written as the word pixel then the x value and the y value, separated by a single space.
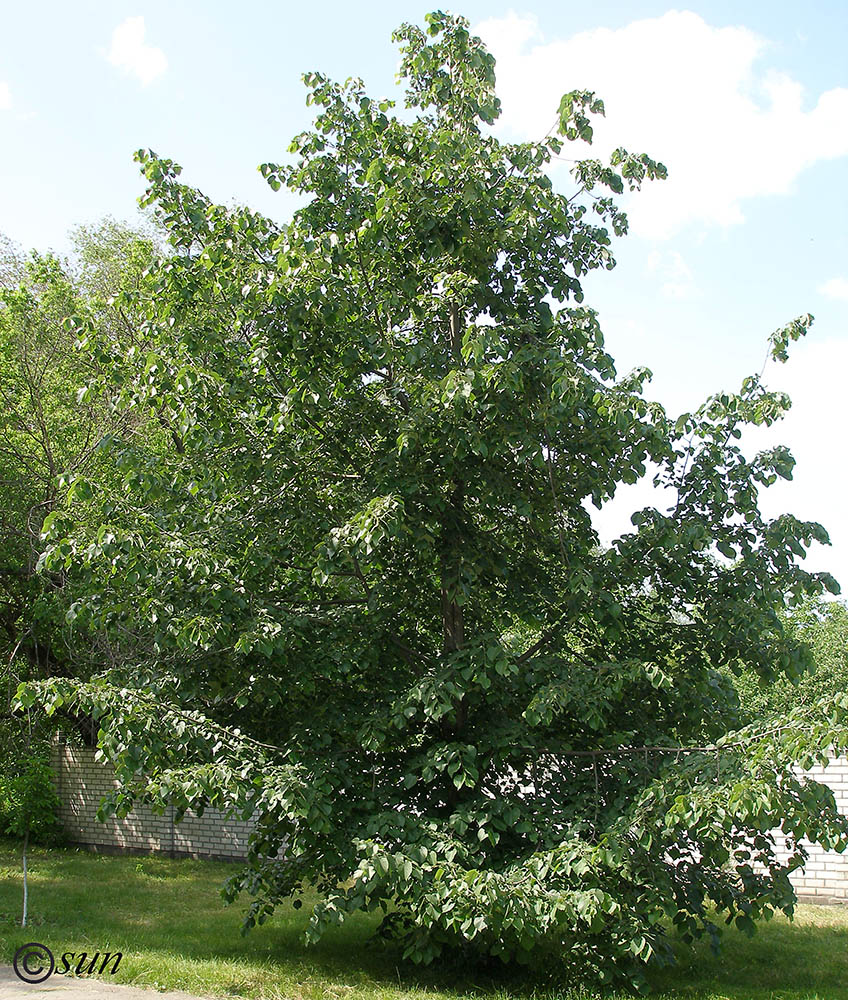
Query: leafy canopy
pixel 355 591
pixel 51 431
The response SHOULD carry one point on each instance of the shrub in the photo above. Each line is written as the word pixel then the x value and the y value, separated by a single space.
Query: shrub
pixel 29 803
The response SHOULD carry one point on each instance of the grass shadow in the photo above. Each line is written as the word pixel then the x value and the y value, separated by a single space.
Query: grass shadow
pixel 168 919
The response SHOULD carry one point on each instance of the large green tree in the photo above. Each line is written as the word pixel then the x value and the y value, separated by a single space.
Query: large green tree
pixel 377 615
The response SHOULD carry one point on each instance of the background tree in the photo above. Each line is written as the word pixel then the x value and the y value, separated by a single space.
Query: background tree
pixel 823 626
pixel 47 433
pixel 51 430
pixel 29 809
pixel 367 602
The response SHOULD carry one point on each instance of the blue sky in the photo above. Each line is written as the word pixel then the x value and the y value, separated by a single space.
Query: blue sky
pixel 746 103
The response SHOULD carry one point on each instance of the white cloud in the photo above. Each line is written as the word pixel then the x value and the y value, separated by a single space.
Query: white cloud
pixel 690 94
pixel 835 288
pixel 130 53
pixel 5 96
pixel 678 282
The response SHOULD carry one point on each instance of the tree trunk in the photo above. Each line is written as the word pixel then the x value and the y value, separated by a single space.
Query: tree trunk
pixel 26 845
pixel 453 625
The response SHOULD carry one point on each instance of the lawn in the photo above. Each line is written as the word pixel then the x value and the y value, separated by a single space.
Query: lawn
pixel 167 918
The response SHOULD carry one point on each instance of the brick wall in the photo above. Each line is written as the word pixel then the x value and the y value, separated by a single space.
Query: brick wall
pixel 82 782
pixel 824 879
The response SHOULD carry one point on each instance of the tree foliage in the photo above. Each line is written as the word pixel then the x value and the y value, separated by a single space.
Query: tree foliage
pixel 350 580
pixel 823 626
pixel 29 805
pixel 51 430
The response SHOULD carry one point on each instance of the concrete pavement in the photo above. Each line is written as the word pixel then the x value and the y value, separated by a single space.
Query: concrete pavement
pixel 84 988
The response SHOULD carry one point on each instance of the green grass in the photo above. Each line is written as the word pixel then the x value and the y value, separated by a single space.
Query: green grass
pixel 168 920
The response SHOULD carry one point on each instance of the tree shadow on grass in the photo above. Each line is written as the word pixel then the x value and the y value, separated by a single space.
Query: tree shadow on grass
pixel 169 911
pixel 157 906
pixel 804 959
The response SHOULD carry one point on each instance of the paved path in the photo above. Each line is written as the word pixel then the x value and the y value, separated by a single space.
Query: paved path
pixel 61 987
